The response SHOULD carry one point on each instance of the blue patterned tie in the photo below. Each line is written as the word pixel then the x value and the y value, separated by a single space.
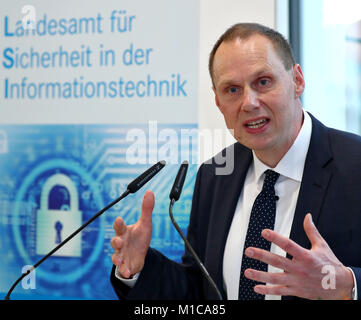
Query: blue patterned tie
pixel 262 217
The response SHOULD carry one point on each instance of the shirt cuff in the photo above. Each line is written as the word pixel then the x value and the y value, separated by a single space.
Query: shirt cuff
pixel 129 282
pixel 355 285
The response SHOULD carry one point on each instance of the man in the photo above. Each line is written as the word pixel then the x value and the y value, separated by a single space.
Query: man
pixel 315 171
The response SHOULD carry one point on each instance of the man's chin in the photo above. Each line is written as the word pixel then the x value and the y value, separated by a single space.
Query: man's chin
pixel 257 145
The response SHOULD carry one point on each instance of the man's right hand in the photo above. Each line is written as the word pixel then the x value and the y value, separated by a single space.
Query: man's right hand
pixel 131 242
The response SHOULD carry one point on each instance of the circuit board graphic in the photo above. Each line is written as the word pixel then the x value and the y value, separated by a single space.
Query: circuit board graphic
pixel 56 177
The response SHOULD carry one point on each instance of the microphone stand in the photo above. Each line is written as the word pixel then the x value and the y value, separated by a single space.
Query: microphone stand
pixel 200 264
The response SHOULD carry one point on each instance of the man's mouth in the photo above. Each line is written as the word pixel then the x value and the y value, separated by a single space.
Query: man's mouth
pixel 257 124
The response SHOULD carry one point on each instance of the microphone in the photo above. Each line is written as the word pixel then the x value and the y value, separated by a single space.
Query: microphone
pixel 174 196
pixel 139 182
pixel 132 187
pixel 179 181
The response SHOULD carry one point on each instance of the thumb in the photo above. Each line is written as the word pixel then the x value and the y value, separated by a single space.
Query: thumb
pixel 147 207
pixel 311 231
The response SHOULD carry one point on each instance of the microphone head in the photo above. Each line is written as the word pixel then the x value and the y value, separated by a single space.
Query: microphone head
pixel 139 182
pixel 179 181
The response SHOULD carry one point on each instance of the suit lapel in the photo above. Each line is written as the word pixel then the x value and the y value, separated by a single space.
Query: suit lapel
pixel 315 180
pixel 227 191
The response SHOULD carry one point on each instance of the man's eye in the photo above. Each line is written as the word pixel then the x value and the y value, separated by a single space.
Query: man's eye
pixel 233 90
pixel 264 82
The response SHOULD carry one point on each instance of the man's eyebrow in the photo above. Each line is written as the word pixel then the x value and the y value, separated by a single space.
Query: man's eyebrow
pixel 261 72
pixel 227 82
pixel 256 74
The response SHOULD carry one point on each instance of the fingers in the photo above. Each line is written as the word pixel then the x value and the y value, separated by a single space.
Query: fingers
pixel 311 231
pixel 269 258
pixel 277 283
pixel 146 217
pixel 278 290
pixel 119 226
pixel 119 262
pixel 118 259
pixel 131 242
pixel 284 243
pixel 279 278
pixel 290 246
pixel 147 207
pixel 116 243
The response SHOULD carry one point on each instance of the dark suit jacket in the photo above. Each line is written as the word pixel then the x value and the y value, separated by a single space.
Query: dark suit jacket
pixel 330 190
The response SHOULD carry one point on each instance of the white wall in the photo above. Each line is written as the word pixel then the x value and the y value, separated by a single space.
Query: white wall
pixel 215 17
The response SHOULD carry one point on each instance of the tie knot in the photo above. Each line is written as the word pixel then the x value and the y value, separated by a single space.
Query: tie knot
pixel 270 179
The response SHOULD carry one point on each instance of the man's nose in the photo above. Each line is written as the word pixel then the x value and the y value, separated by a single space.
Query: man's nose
pixel 250 100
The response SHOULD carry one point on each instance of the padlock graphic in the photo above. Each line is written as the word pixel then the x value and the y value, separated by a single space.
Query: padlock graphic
pixel 54 226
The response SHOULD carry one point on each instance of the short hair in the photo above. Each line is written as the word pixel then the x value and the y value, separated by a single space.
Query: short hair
pixel 246 30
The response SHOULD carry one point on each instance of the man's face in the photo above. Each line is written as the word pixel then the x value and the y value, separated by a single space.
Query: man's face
pixel 257 96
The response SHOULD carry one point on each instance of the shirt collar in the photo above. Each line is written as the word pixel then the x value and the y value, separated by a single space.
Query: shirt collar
pixel 293 162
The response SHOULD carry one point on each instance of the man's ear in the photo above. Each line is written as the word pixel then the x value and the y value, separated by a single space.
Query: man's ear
pixel 298 80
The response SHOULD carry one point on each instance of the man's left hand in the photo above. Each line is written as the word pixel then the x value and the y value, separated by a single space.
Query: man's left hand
pixel 304 274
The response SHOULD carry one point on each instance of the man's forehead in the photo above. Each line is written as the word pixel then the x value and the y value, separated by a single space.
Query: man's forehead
pixel 254 44
pixel 247 53
pixel 255 51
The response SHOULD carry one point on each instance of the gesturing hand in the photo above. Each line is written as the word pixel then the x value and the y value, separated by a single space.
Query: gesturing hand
pixel 302 276
pixel 131 242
